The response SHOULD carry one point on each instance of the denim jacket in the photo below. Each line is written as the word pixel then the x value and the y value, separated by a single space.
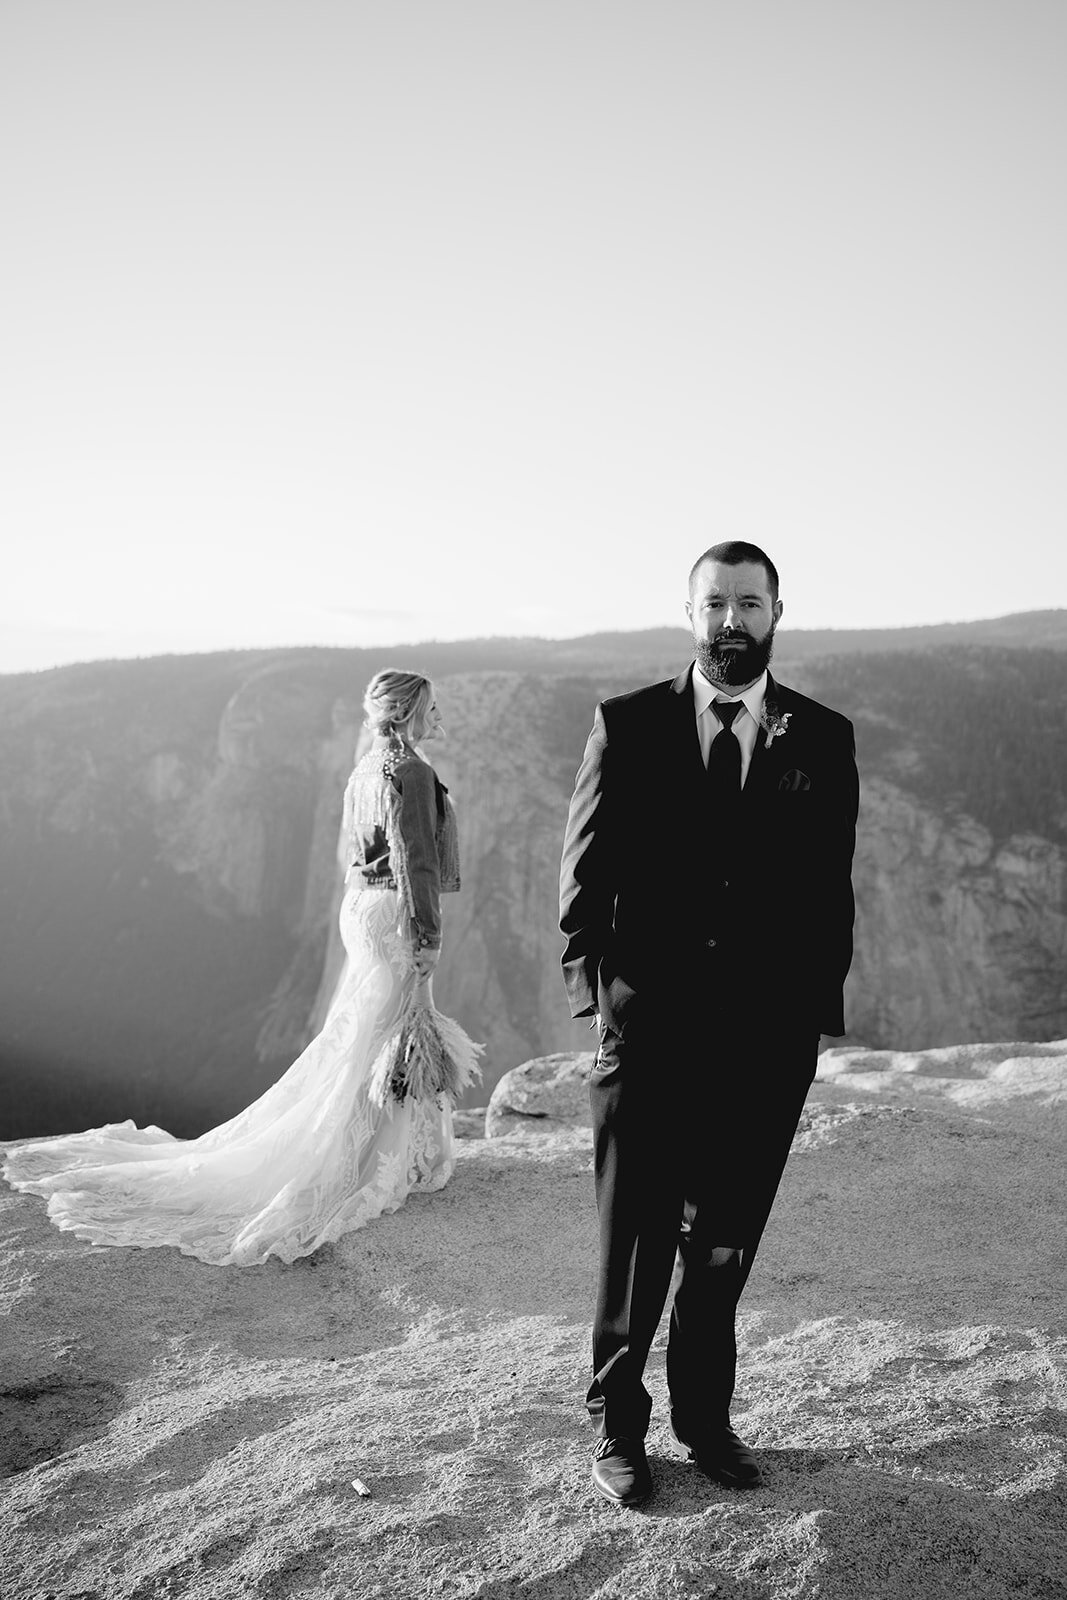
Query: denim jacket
pixel 400 833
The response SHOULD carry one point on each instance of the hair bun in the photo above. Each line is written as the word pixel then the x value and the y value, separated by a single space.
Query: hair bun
pixel 394 698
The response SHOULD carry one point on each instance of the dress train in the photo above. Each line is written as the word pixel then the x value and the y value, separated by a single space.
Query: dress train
pixel 311 1159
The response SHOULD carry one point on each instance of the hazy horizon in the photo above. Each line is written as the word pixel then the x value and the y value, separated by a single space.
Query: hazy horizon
pixel 415 644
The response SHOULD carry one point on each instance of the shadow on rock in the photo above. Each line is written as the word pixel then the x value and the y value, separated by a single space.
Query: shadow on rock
pixel 896 1537
pixel 586 1575
pixel 41 1420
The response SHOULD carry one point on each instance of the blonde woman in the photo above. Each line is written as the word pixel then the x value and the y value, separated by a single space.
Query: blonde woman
pixel 329 1146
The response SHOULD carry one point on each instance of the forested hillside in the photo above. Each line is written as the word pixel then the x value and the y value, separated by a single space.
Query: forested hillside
pixel 980 730
pixel 168 873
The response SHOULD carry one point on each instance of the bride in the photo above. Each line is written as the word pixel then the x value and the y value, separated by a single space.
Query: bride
pixel 328 1147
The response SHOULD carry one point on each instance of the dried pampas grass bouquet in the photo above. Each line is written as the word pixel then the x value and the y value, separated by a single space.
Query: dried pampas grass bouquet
pixel 427 1056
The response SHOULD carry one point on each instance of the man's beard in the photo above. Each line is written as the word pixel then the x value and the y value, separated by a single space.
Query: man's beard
pixel 730 669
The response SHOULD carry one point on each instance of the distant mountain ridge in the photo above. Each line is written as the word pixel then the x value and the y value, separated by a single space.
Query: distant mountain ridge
pixel 168 833
pixel 644 649
pixel 1019 630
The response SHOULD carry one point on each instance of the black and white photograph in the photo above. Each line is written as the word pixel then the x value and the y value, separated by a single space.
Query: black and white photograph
pixel 533 800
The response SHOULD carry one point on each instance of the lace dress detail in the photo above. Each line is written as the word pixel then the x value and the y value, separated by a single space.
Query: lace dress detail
pixel 311 1159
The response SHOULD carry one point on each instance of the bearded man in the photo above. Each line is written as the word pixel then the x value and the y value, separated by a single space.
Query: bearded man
pixel 707 908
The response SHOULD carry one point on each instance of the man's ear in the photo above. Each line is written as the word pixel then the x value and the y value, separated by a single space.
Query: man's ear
pixel 777 610
pixel 689 609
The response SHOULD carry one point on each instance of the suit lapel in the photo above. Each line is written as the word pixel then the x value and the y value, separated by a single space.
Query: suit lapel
pixel 770 761
pixel 683 763
pixel 761 762
pixel 683 738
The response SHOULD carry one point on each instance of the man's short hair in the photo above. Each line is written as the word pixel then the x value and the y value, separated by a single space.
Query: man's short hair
pixel 732 554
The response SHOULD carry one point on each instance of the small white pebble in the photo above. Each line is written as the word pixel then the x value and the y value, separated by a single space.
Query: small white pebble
pixel 360 1487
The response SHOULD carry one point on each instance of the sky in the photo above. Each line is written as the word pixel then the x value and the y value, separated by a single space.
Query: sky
pixel 351 322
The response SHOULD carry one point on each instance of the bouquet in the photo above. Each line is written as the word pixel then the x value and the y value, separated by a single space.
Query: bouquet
pixel 427 1056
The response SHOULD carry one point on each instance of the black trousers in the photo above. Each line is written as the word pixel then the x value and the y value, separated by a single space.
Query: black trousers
pixel 691 1134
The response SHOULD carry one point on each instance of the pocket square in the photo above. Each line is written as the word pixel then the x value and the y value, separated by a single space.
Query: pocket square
pixel 794 779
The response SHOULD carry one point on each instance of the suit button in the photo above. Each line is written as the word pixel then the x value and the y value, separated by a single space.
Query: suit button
pixel 711 943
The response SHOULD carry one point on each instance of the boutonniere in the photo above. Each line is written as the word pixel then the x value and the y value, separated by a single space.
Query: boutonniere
pixel 774 723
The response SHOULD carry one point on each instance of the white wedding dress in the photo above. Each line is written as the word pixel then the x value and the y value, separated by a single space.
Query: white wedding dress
pixel 311 1159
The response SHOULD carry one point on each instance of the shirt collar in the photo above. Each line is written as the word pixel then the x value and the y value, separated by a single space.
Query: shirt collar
pixel 752 699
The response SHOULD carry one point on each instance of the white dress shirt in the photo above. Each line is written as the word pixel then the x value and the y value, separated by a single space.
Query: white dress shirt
pixel 746 723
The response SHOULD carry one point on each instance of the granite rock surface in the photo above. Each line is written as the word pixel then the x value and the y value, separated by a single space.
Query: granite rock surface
pixel 546 1094
pixel 169 1429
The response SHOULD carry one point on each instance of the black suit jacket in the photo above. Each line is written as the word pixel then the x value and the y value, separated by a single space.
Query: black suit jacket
pixel 664 905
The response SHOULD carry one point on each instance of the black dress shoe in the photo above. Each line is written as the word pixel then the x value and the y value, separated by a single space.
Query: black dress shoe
pixel 725 1457
pixel 620 1471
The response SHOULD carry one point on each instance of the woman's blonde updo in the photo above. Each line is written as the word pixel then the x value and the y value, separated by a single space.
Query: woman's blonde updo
pixel 394 700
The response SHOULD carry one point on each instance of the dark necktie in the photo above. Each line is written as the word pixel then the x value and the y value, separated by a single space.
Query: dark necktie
pixel 724 757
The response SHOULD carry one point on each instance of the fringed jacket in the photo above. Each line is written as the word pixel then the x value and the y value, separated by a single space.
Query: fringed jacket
pixel 400 833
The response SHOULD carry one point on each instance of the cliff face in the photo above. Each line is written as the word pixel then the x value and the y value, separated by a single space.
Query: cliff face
pixel 168 867
pixel 959 938
pixel 161 847
pixel 510 761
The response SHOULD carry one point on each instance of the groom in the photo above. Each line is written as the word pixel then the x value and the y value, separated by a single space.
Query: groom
pixel 706 903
